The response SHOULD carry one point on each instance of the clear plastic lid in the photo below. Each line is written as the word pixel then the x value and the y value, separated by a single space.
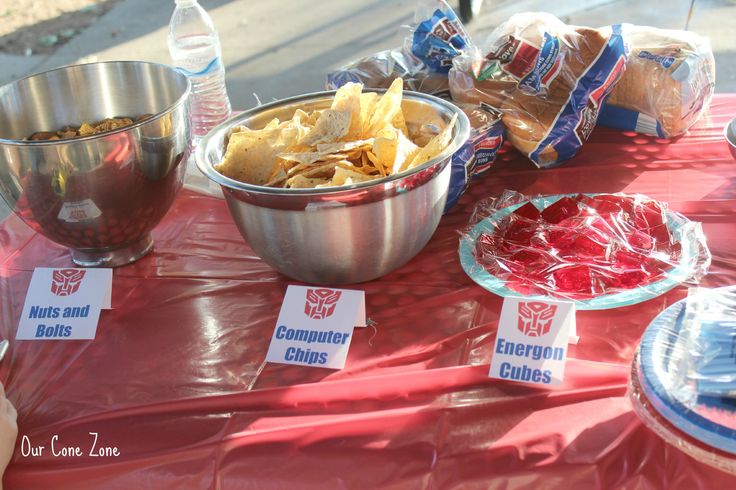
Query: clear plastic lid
pixel 598 250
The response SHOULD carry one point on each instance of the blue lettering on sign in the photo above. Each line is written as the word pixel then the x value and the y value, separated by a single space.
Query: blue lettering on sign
pixel 311 336
pixel 532 351
pixel 51 331
pixel 43 312
pixel 76 311
pixel 289 356
pixel 305 356
pixel 524 373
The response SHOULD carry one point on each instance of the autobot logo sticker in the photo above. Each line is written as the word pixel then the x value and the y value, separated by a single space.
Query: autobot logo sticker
pixel 65 282
pixel 321 303
pixel 535 319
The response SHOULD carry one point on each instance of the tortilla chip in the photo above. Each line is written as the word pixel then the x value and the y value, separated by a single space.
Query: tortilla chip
pixel 400 123
pixel 394 150
pixel 326 170
pixel 386 107
pixel 367 105
pixel 344 146
pixel 347 99
pixel 357 166
pixel 384 148
pixel 301 182
pixel 405 153
pixel 363 136
pixel 344 176
pixel 304 167
pixel 435 146
pixel 301 117
pixel 313 118
pixel 375 162
pixel 238 129
pixel 251 155
pixel 330 127
pixel 277 178
pixel 311 156
pixel 272 124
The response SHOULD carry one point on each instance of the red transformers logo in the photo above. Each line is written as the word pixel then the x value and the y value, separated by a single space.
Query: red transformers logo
pixel 535 319
pixel 66 281
pixel 321 303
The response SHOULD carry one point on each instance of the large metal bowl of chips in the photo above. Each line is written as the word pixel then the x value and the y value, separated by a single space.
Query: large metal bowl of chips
pixel 101 194
pixel 346 234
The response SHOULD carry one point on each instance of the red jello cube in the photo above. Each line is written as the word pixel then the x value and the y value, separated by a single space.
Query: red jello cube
pixel 661 236
pixel 640 241
pixel 562 209
pixel 626 259
pixel 602 205
pixel 573 279
pixel 519 230
pixel 533 262
pixel 633 278
pixel 528 211
pixel 648 215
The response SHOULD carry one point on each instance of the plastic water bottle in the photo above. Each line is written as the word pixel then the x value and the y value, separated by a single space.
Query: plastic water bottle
pixel 195 50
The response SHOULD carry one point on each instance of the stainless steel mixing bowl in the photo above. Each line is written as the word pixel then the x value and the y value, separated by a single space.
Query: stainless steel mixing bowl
pixel 730 133
pixel 99 195
pixel 346 234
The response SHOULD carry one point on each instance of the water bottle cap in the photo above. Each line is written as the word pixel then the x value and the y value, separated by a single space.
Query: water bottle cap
pixel 185 3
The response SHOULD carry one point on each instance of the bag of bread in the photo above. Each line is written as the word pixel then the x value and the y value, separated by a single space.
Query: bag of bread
pixel 436 38
pixel 477 155
pixel 380 69
pixel 422 62
pixel 669 81
pixel 547 78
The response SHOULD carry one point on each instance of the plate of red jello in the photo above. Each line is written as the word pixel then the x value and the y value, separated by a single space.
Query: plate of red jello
pixel 598 250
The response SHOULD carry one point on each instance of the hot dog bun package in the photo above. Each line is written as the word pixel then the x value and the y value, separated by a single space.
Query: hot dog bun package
pixel 548 79
pixel 669 81
pixel 423 62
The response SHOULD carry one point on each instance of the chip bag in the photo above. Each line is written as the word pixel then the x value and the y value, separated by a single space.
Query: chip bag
pixel 547 78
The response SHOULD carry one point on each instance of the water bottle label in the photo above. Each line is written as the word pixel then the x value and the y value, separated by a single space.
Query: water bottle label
pixel 210 67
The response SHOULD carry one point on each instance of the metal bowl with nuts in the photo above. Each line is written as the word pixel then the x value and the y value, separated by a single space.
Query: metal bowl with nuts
pixel 100 194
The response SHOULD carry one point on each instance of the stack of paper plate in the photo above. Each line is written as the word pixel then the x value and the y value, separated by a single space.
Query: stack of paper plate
pixel 703 426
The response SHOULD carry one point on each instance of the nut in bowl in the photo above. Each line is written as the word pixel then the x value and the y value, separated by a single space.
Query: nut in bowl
pixel 98 194
pixel 344 231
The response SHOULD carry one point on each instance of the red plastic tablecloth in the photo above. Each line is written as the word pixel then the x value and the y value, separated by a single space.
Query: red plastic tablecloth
pixel 176 381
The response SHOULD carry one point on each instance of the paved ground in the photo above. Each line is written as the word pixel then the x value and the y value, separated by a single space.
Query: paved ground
pixel 280 48
pixel 274 49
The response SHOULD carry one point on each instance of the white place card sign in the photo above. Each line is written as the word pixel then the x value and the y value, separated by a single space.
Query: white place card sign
pixel 532 338
pixel 64 304
pixel 315 326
